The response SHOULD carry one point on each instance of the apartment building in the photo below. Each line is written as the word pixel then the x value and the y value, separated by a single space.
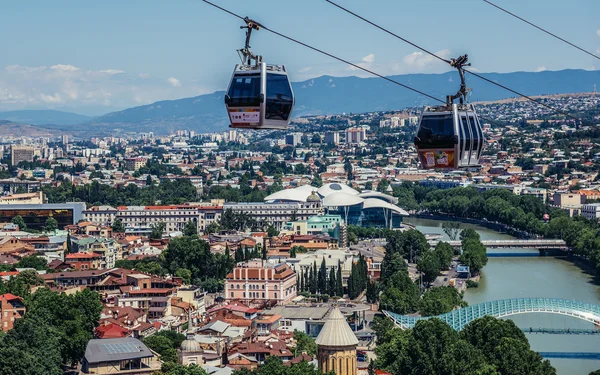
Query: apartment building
pixel 276 213
pixel 156 301
pixel 356 135
pixel 133 164
pixel 175 217
pixel 21 153
pixel 104 215
pixel 256 281
pixel 591 211
pixel 11 308
pixel 24 198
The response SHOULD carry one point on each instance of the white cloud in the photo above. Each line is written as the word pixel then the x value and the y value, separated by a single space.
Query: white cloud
pixel 69 86
pixel 598 32
pixel 64 68
pixel 420 62
pixel 51 99
pixel 174 82
pixel 541 68
pixel 305 69
pixel 369 58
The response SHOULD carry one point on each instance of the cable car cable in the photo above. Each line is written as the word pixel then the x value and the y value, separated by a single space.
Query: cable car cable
pixel 542 29
pixel 332 56
pixel 468 71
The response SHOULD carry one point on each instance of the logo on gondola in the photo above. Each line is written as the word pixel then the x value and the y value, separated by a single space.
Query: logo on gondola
pixel 430 159
pixel 443 159
pixel 244 115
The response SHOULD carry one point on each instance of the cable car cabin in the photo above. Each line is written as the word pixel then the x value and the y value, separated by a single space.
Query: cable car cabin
pixel 259 97
pixel 449 137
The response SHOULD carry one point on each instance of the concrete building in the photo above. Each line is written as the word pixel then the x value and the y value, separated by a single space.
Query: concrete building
pixel 591 211
pixel 35 215
pixel 133 164
pixel 541 194
pixel 276 214
pixel 356 135
pixel 11 309
pixel 337 346
pixel 21 153
pixel 563 200
pixel 293 139
pixel 104 215
pixel 332 138
pixel 118 357
pixel 257 282
pixel 14 185
pixel 24 198
pixel 175 217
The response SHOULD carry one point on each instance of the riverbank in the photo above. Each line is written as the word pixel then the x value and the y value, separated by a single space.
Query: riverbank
pixel 493 225
pixel 546 277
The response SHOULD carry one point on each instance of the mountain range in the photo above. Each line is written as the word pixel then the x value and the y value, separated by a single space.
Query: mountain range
pixel 322 95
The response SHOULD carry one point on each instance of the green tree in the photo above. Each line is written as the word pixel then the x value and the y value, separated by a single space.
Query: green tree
pixel 33 261
pixel 440 300
pixel 339 286
pixel 190 228
pixel 212 228
pixel 272 232
pixel 18 220
pixel 372 291
pixel 429 266
pixel 444 252
pixel 118 226
pixel 51 224
pixel 331 283
pixel 69 244
pixel 322 278
pixel 185 274
pixel 452 229
pixel 474 255
pixel 469 234
pixel 157 230
pixel 304 344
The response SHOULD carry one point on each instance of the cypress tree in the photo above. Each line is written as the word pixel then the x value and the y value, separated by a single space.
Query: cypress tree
pixel 331 282
pixel 322 279
pixel 313 281
pixel 69 244
pixel 339 286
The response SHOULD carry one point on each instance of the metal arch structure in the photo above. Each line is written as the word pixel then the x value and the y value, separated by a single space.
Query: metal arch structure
pixel 459 318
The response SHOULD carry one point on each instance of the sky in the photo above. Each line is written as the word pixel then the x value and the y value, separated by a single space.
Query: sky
pixel 94 57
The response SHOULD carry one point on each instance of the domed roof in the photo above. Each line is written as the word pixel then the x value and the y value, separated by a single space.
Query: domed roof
pixel 190 345
pixel 298 194
pixel 334 187
pixel 336 331
pixel 315 219
pixel 313 197
pixel 341 199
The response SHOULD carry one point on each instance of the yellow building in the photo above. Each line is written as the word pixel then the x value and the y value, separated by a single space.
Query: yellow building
pixel 25 198
pixel 337 345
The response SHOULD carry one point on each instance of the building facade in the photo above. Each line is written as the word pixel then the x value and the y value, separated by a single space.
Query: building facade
pixel 356 135
pixel 11 309
pixel 174 217
pixel 21 153
pixel 276 213
pixel 336 345
pixel 104 215
pixel 591 211
pixel 256 281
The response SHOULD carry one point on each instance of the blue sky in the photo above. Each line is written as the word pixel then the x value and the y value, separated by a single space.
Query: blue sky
pixel 95 57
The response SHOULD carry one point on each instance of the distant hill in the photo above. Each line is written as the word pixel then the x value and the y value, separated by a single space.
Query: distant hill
pixel 8 128
pixel 44 117
pixel 322 95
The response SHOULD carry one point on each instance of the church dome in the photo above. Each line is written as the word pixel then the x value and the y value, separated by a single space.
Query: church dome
pixel 190 345
pixel 313 197
pixel 336 332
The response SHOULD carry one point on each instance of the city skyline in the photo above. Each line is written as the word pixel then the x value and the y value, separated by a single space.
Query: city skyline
pixel 94 58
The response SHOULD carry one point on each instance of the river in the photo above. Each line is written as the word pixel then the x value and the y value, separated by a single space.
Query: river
pixel 535 277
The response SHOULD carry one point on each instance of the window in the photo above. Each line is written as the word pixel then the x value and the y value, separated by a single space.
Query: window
pixel 245 90
pixel 275 295
pixel 231 294
pixel 263 295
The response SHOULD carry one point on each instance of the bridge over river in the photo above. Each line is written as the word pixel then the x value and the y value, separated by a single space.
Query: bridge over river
pixel 459 318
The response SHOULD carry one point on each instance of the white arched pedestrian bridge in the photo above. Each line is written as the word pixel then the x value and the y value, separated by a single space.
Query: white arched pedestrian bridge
pixel 459 318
